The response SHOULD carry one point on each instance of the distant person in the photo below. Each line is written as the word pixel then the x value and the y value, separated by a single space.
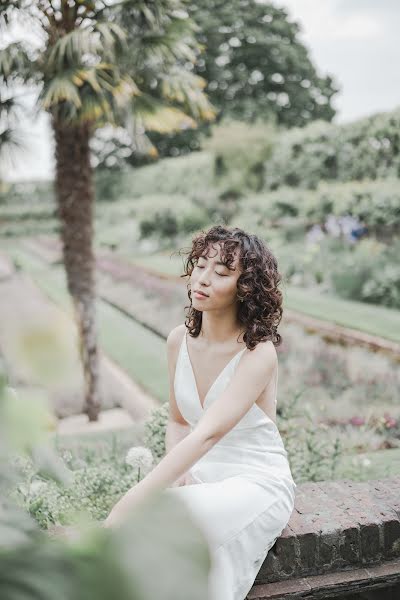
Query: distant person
pixel 225 457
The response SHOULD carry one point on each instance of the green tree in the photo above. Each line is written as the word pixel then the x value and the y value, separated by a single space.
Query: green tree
pixel 95 62
pixel 256 66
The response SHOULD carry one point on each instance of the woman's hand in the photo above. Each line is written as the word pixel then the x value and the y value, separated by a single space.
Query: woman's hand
pixel 186 479
pixel 126 505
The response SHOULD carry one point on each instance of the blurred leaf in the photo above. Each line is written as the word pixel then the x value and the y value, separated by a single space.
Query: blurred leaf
pixel 168 537
pixel 16 528
pixel 45 350
pixel 24 417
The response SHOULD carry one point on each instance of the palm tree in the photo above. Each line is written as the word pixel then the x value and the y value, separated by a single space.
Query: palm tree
pixel 96 62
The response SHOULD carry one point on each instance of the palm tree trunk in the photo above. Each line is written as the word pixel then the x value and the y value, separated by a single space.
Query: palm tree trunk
pixel 75 197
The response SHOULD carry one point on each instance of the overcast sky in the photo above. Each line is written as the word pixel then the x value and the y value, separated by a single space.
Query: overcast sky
pixel 356 41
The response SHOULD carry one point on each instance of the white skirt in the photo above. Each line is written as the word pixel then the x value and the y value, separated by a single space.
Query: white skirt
pixel 241 521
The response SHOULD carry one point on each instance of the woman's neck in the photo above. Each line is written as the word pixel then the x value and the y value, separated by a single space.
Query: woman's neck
pixel 218 327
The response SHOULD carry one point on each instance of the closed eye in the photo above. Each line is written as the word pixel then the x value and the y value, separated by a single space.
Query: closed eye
pixel 220 274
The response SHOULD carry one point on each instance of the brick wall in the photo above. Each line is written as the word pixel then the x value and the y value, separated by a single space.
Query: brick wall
pixel 337 527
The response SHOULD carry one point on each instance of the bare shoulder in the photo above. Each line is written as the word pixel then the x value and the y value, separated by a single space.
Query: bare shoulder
pixel 175 337
pixel 263 357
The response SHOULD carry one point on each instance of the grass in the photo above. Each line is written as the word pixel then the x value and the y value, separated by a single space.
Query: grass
pixel 383 463
pixel 161 262
pixel 138 351
pixel 368 318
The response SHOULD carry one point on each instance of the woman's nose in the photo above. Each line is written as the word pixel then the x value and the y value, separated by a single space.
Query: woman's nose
pixel 204 277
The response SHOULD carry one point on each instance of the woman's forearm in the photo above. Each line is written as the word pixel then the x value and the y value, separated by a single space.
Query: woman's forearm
pixel 174 433
pixel 174 464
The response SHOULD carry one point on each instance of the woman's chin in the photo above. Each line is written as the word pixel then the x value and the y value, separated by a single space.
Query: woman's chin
pixel 197 304
pixel 198 307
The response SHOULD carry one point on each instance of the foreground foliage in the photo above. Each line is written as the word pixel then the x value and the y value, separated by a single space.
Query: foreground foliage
pixel 93 563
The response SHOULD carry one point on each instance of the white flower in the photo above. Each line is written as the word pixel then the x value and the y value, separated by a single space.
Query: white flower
pixel 139 457
pixel 37 487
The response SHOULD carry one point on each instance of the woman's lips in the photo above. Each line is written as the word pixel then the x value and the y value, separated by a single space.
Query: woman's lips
pixel 200 296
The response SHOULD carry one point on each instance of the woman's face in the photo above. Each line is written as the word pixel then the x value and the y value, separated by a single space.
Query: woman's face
pixel 214 279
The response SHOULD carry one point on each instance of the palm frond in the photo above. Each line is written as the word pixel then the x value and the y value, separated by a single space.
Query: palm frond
pixel 164 47
pixel 155 115
pixel 11 139
pixel 60 89
pixel 111 34
pixel 15 63
pixel 186 88
pixel 88 93
pixel 94 43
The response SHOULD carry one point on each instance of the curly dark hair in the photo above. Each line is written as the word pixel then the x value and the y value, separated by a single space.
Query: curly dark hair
pixel 260 306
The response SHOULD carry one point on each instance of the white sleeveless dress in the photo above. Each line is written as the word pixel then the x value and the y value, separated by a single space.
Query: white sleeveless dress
pixel 244 492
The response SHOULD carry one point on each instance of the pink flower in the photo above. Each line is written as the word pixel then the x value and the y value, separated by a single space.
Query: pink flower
pixel 357 421
pixel 389 421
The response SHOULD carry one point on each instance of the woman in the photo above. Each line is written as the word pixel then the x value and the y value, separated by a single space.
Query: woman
pixel 225 457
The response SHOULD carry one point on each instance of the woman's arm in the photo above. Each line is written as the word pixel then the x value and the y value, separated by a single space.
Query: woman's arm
pixel 174 464
pixel 174 433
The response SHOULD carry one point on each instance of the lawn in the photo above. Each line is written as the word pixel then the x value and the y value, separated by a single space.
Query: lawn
pixel 374 465
pixel 137 350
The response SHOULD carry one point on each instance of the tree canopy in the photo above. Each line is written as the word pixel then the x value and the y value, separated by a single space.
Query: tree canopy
pixel 256 65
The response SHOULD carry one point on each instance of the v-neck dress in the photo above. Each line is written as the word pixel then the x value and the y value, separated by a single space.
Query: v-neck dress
pixel 244 492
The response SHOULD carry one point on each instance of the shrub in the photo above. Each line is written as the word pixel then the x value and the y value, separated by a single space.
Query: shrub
pixel 168 216
pixel 95 487
pixel 239 151
pixel 369 272
pixel 155 428
pixel 171 176
pixel 369 147
pixel 375 203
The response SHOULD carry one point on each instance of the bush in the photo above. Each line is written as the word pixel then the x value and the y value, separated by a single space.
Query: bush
pixel 239 151
pixel 96 485
pixel 155 428
pixel 375 203
pixel 187 175
pixel 369 147
pixel 167 216
pixel 384 288
pixel 369 272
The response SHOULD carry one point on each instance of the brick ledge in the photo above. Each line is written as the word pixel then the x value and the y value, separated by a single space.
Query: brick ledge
pixel 331 585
